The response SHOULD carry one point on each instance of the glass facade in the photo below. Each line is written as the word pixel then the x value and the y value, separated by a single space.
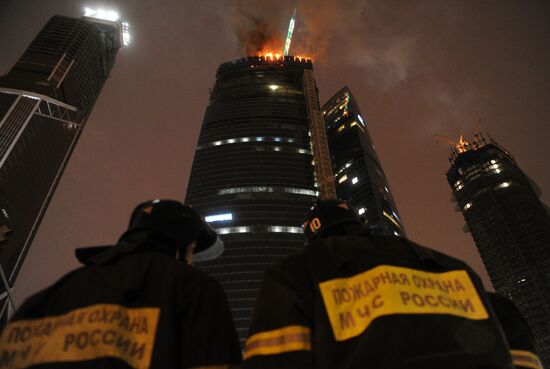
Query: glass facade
pixel 253 161
pixel 510 226
pixel 45 100
pixel 359 177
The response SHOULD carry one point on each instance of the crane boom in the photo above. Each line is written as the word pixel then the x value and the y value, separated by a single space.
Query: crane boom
pixel 289 34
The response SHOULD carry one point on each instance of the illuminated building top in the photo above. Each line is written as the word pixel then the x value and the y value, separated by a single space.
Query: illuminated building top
pixel 112 17
pixel 480 140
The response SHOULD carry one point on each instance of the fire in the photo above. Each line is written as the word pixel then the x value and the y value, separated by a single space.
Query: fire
pixel 462 144
pixel 274 56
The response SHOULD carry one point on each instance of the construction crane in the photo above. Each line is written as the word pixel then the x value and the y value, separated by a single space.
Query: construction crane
pixel 321 154
pixel 289 33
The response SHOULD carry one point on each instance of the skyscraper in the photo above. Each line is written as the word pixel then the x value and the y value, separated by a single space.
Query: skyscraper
pixel 45 100
pixel 510 226
pixel 252 176
pixel 359 176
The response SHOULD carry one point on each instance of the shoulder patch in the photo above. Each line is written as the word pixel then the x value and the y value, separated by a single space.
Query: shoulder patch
pixel 103 330
pixel 353 303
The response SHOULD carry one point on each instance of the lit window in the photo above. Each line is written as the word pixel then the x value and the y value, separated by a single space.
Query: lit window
pixel 273 87
pixel 343 178
pixel 125 33
pixel 361 119
pixel 386 188
pixel 259 139
pixel 391 218
pixel 245 139
pixel 230 141
pixel 354 124
pixel 228 230
pixel 348 165
pixel 467 206
pixel 493 161
pixel 354 180
pixel 303 151
pixel 361 211
pixel 395 215
pixel 284 229
pixel 217 143
pixel 277 148
pixel 293 190
pixel 109 15
pixel 219 217
pixel 458 185
pixel 341 128
pixel 396 233
pixel 503 185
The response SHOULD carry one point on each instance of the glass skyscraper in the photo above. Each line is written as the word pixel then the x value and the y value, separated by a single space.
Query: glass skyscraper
pixel 45 100
pixel 359 177
pixel 510 226
pixel 253 175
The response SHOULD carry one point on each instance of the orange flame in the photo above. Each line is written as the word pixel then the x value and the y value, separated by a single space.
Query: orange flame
pixel 274 56
pixel 462 144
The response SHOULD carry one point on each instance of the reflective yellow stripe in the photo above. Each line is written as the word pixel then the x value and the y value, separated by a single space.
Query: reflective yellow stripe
pixel 277 341
pixel 526 359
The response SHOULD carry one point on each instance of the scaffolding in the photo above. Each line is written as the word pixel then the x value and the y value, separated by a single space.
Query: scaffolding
pixel 321 154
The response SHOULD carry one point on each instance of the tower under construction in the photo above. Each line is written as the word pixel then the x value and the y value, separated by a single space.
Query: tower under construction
pixel 510 226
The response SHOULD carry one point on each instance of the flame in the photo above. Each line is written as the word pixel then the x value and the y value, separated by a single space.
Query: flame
pixel 275 56
pixel 462 145
pixel 269 55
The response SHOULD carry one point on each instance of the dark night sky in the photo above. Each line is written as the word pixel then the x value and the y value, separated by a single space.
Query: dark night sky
pixel 416 68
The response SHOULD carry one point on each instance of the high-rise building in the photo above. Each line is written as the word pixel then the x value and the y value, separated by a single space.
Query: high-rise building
pixel 359 177
pixel 510 226
pixel 45 100
pixel 253 176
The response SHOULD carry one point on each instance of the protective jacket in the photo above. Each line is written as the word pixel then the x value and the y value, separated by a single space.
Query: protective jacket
pixel 517 332
pixel 358 301
pixel 137 308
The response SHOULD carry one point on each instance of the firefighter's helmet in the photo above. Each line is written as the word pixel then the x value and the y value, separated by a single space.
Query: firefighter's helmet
pixel 327 214
pixel 180 223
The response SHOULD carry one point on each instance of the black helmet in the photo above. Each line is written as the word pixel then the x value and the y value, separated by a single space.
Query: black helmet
pixel 327 214
pixel 180 223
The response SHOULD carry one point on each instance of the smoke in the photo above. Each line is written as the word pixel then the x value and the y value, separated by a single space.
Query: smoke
pixel 256 35
pixel 389 45
pixel 369 42
pixel 255 30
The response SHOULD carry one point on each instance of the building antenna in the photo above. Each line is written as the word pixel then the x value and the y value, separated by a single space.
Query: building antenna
pixel 289 34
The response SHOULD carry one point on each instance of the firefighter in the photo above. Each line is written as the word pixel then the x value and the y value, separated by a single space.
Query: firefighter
pixel 132 305
pixel 517 332
pixel 355 300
